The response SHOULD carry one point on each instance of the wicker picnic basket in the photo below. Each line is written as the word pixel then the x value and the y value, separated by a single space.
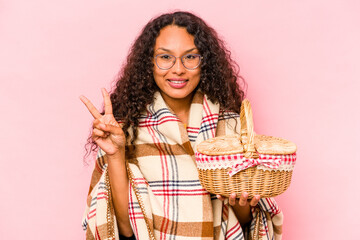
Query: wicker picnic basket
pixel 257 164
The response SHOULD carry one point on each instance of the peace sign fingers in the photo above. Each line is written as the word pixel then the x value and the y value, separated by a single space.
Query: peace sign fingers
pixel 92 109
pixel 107 102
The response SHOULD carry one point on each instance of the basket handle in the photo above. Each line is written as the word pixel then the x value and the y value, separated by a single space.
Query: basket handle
pixel 247 130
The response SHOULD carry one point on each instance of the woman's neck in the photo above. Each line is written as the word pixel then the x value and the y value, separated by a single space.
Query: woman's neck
pixel 181 107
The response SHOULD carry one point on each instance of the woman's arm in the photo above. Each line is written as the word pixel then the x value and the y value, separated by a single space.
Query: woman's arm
pixel 120 191
pixel 109 136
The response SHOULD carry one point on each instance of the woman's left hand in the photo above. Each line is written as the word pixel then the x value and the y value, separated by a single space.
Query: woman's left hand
pixel 242 206
pixel 243 200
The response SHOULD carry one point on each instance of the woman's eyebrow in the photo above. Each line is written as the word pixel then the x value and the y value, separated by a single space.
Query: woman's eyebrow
pixel 191 49
pixel 167 50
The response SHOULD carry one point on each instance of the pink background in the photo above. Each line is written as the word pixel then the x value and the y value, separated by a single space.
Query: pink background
pixel 301 62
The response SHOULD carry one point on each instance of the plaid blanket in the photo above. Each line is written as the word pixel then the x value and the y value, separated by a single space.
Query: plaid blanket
pixel 166 200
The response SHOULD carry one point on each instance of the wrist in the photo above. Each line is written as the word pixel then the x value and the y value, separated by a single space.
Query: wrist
pixel 118 156
pixel 243 213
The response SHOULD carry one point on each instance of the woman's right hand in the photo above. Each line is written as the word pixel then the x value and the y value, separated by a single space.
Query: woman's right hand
pixel 107 133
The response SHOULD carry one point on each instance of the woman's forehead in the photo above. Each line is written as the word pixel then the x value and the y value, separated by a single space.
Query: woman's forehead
pixel 174 38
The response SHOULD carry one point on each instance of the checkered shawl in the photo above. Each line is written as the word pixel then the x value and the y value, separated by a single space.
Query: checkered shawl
pixel 166 197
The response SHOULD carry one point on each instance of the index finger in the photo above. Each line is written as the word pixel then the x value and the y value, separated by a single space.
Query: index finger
pixel 92 109
pixel 107 102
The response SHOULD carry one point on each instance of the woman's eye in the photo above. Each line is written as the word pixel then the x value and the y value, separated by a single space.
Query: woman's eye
pixel 165 57
pixel 190 56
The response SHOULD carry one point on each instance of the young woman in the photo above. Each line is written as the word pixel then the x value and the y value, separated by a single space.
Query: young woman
pixel 178 88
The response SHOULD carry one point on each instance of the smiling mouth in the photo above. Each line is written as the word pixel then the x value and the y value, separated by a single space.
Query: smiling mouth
pixel 177 81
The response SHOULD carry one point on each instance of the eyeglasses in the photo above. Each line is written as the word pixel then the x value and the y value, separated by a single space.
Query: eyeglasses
pixel 167 61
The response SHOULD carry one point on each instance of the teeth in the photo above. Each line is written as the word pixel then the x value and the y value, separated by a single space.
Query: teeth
pixel 177 81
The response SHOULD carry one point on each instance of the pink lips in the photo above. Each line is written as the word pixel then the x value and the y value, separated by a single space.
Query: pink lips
pixel 177 82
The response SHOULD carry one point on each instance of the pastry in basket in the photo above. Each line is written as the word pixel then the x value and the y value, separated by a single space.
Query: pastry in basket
pixel 256 164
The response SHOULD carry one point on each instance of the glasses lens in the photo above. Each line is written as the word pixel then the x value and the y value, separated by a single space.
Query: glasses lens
pixel 191 60
pixel 165 61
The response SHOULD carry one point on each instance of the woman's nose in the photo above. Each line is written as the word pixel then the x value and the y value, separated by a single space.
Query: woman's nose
pixel 178 66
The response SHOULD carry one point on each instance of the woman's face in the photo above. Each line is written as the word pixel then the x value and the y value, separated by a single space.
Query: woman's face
pixel 178 82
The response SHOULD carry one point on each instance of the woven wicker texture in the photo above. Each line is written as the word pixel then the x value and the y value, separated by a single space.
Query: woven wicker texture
pixel 251 180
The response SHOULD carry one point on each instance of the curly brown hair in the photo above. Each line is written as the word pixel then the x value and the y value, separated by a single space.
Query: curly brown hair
pixel 135 84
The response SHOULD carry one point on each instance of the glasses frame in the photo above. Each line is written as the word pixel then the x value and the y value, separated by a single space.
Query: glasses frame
pixel 181 58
